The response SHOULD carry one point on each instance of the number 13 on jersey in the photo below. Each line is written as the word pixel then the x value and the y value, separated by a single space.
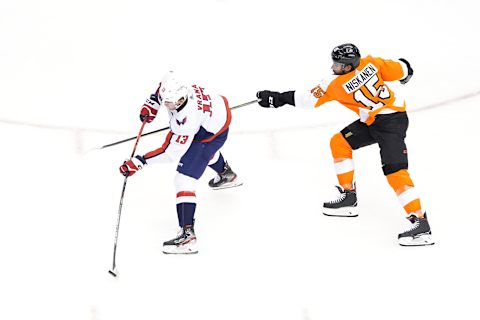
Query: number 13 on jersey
pixel 181 139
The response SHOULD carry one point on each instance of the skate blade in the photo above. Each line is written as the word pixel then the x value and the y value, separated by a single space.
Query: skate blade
pixel 421 240
pixel 232 184
pixel 170 251
pixel 342 212
pixel 191 249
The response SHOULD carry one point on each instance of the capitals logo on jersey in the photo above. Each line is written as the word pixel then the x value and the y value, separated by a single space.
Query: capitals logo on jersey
pixel 181 122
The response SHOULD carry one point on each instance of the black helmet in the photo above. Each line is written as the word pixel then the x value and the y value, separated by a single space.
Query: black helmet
pixel 346 53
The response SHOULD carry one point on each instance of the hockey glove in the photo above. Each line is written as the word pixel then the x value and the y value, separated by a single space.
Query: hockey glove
pixel 129 167
pixel 269 99
pixel 410 71
pixel 273 99
pixel 149 110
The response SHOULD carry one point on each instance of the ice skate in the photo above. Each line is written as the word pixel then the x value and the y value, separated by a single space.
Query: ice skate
pixel 225 179
pixel 184 243
pixel 418 235
pixel 344 206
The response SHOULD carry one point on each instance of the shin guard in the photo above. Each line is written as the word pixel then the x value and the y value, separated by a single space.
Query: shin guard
pixel 343 160
pixel 403 186
pixel 186 199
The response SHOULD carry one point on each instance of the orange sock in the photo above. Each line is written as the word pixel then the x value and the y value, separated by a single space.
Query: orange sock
pixel 402 184
pixel 343 160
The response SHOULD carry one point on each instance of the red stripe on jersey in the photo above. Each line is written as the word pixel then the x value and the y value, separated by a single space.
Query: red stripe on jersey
pixel 225 126
pixel 160 150
pixel 186 194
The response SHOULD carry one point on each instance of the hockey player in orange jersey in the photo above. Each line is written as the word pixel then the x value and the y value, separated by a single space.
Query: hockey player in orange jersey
pixel 360 85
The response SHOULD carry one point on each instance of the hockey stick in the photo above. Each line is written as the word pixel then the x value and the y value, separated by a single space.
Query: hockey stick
pixel 114 271
pixel 244 104
pixel 163 129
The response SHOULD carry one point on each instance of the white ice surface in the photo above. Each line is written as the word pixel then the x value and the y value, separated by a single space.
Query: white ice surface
pixel 266 251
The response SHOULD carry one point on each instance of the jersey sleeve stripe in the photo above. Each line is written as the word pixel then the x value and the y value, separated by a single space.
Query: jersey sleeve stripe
pixel 160 150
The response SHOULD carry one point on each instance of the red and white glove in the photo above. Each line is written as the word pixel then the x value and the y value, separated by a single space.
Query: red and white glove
pixel 149 110
pixel 129 167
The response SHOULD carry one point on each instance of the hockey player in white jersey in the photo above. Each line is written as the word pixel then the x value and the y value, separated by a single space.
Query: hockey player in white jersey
pixel 199 123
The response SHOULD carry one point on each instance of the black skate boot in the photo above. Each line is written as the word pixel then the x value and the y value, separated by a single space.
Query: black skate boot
pixel 344 206
pixel 418 235
pixel 225 179
pixel 184 243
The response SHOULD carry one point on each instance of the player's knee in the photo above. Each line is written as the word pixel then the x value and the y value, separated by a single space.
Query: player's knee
pixel 340 147
pixel 185 183
pixel 390 168
pixel 400 180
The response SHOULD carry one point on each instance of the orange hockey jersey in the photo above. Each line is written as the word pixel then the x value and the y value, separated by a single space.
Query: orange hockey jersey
pixel 363 90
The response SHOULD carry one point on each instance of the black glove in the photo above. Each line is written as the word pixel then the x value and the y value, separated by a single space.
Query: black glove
pixel 270 99
pixel 410 71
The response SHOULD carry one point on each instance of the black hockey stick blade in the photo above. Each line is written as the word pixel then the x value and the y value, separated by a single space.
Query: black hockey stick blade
pixel 113 272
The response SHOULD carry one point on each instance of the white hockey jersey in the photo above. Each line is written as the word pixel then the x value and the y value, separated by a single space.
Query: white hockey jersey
pixel 203 118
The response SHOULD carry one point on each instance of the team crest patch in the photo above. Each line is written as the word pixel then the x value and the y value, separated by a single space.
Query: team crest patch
pixel 181 122
pixel 317 92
